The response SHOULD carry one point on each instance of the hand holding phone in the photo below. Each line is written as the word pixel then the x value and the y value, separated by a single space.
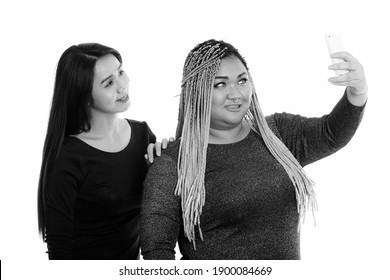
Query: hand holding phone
pixel 334 44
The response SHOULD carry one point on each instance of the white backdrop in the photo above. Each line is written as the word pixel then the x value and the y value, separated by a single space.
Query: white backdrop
pixel 285 49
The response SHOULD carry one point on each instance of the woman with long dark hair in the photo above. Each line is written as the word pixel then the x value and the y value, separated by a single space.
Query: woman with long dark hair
pixel 93 164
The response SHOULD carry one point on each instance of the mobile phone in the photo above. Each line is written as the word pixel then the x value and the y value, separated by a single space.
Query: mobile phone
pixel 335 44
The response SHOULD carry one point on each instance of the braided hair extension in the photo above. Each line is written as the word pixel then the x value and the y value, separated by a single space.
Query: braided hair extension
pixel 200 68
pixel 304 190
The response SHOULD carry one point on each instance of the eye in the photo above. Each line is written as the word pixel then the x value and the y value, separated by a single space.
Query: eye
pixel 121 72
pixel 219 85
pixel 243 81
pixel 109 83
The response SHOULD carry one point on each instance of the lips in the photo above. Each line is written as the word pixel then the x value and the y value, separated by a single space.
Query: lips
pixel 233 107
pixel 123 99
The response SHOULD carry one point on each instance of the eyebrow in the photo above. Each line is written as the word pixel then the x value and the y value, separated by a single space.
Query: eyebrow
pixel 226 77
pixel 102 82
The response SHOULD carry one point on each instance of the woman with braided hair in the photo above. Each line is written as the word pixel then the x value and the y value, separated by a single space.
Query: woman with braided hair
pixel 232 186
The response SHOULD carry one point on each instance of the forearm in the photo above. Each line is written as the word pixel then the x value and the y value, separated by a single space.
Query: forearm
pixel 345 117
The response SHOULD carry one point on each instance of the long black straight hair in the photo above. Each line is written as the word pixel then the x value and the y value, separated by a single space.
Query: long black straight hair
pixel 69 113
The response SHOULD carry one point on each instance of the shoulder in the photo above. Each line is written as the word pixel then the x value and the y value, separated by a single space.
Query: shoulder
pixel 70 159
pixel 172 150
pixel 141 128
pixel 163 171
pixel 272 123
pixel 168 158
pixel 72 150
pixel 137 124
pixel 71 145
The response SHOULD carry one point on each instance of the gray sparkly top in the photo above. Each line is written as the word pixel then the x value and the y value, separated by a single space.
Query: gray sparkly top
pixel 250 210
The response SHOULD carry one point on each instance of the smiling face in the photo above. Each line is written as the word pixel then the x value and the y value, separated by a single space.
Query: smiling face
pixel 232 94
pixel 110 86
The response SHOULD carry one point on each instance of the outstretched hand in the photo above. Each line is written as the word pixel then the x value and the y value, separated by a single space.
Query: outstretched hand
pixel 354 79
pixel 156 148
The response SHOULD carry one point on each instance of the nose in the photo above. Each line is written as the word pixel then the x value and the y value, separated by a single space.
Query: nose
pixel 122 87
pixel 234 93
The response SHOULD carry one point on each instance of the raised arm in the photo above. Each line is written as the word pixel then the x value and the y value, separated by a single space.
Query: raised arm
pixel 310 139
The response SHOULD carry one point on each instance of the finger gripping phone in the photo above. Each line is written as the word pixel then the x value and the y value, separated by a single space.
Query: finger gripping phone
pixel 335 44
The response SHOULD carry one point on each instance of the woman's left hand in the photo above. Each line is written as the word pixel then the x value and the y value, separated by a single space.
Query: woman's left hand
pixel 156 148
pixel 354 79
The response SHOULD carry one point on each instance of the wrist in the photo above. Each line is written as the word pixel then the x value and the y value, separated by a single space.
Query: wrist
pixel 357 99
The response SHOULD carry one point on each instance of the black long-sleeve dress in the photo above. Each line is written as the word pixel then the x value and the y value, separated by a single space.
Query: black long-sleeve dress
pixel 94 197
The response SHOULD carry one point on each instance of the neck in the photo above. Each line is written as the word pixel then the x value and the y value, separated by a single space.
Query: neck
pixel 103 125
pixel 231 135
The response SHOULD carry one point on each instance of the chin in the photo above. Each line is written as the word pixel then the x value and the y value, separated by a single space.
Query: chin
pixel 125 106
pixel 235 119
